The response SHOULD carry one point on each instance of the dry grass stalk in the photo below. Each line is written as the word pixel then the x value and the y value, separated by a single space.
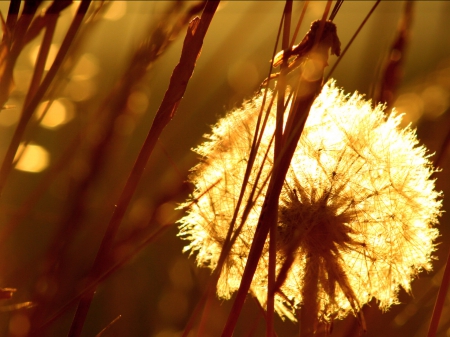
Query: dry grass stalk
pixel 393 69
pixel 180 78
pixel 46 82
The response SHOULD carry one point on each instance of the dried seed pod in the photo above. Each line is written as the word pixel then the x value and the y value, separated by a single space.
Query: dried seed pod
pixel 328 39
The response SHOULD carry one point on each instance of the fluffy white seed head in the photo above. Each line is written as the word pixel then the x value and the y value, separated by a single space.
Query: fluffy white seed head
pixel 357 206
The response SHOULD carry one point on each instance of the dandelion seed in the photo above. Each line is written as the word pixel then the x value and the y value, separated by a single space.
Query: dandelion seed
pixel 355 214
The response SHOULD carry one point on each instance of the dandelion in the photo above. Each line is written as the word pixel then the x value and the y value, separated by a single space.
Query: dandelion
pixel 356 212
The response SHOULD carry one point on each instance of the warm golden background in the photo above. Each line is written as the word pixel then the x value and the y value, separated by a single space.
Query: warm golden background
pixel 157 290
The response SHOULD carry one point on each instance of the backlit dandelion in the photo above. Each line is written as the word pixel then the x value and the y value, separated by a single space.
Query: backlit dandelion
pixel 355 214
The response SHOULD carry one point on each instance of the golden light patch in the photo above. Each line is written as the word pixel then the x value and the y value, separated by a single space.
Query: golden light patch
pixel 86 68
pixel 55 114
pixel 33 158
pixel 50 58
pixel 116 10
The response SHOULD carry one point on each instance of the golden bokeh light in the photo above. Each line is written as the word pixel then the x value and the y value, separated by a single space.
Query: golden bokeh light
pixel 33 158
pixel 138 102
pixel 60 112
pixel 50 58
pixel 411 105
pixel 86 68
pixel 19 325
pixel 436 101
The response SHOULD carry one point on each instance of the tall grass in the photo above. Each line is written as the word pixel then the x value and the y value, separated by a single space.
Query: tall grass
pixel 102 102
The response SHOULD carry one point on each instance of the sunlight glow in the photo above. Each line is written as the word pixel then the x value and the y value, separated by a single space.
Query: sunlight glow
pixel 86 68
pixel 116 10
pixel 357 207
pixel 138 102
pixel 51 55
pixel 59 113
pixel 34 158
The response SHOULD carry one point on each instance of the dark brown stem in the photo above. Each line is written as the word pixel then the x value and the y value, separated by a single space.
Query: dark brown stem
pixel 231 233
pixel 393 69
pixel 178 82
pixel 351 40
pixel 14 42
pixel 31 107
pixel 306 93
pixel 309 309
pixel 13 13
pixel 151 48
pixel 299 22
pixel 42 57
pixel 294 127
pixel 277 151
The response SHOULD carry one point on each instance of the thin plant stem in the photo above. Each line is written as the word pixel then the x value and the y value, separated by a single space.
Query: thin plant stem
pixel 443 149
pixel 42 57
pixel 231 234
pixel 268 215
pixel 13 14
pixel 262 312
pixel 180 77
pixel 336 8
pixel 299 22
pixel 351 40
pixel 108 326
pixel 151 48
pixel 13 42
pixel 277 150
pixel 94 283
pixel 393 67
pixel 31 107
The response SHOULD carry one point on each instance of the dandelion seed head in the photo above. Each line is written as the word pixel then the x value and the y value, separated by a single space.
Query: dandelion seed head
pixel 357 207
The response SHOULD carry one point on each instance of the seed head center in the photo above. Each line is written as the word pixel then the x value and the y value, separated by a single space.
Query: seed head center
pixel 313 226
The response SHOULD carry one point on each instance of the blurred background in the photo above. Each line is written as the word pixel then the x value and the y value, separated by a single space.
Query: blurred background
pixel 60 195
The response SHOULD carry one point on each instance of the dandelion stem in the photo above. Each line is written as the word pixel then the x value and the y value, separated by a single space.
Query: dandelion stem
pixel 277 150
pixel 294 127
pixel 309 309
